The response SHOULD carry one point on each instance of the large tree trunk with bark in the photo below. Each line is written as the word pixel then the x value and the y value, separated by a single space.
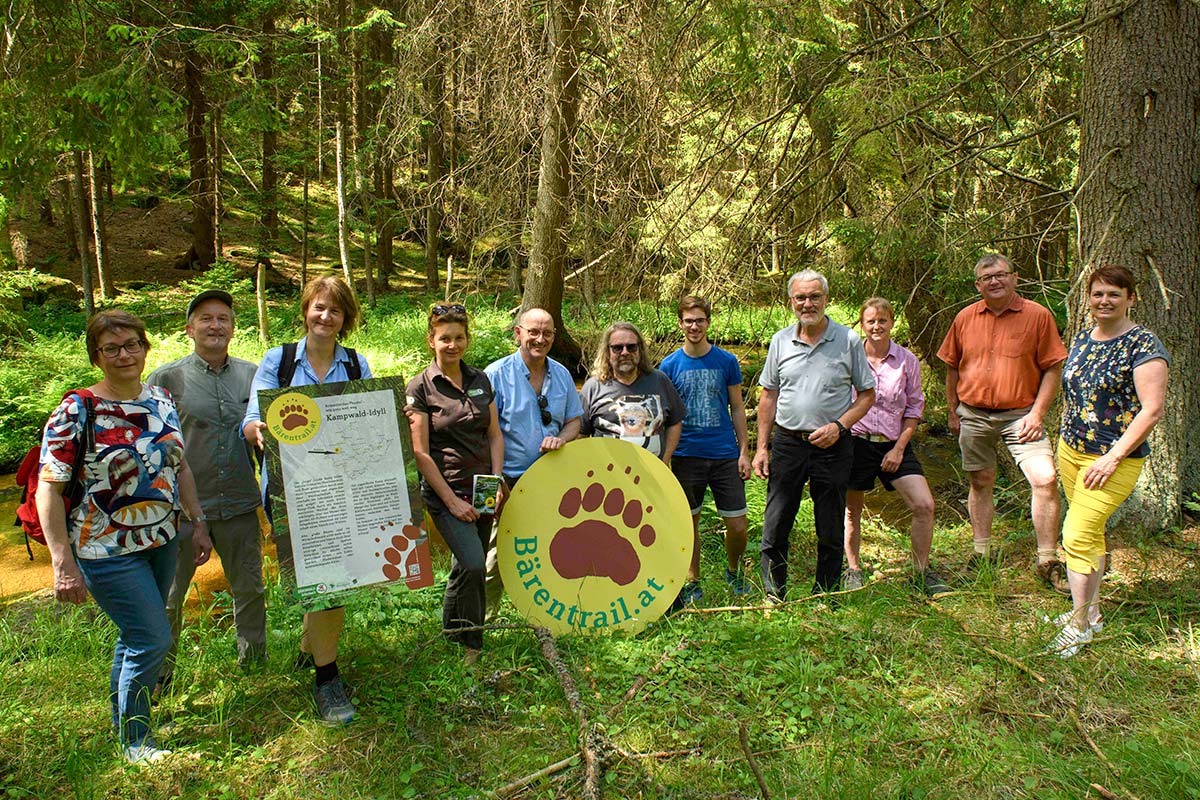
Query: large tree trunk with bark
pixel 551 216
pixel 1139 204
pixel 269 220
pixel 202 253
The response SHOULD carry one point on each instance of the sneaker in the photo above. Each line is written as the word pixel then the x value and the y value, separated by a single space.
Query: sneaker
pixel 1054 574
pixel 1062 619
pixel 1068 641
pixel 144 753
pixel 931 584
pixel 333 706
pixel 688 595
pixel 853 579
pixel 737 582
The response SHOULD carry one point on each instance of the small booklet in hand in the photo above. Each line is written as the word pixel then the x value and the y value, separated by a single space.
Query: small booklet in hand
pixel 486 493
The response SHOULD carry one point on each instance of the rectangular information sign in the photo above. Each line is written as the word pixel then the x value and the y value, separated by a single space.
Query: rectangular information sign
pixel 343 488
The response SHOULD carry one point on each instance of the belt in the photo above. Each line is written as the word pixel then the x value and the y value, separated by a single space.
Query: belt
pixel 878 438
pixel 801 435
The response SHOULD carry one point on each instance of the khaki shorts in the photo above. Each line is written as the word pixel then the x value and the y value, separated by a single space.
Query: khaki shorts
pixel 982 431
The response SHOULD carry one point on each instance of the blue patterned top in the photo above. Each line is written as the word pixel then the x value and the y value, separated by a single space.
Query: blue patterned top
pixel 1099 396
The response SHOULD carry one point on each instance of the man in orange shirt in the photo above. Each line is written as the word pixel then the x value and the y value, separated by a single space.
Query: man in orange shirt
pixel 1004 359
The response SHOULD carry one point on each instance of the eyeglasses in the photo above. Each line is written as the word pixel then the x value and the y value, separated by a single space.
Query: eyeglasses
pixel 993 277
pixel 538 333
pixel 133 347
pixel 440 309
pixel 691 323
pixel 632 347
pixel 547 417
pixel 801 299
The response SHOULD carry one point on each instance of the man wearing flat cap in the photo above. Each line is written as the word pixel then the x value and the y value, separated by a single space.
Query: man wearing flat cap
pixel 211 390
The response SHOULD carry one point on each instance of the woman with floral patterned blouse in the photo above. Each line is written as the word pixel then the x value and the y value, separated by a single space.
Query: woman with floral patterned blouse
pixel 1114 386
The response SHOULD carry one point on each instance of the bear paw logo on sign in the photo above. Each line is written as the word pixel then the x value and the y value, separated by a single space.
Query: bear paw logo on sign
pixel 293 418
pixel 596 536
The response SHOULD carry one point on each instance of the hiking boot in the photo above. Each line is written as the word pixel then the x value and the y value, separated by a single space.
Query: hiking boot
pixel 852 579
pixel 1064 618
pixel 737 582
pixel 144 753
pixel 1068 641
pixel 1053 573
pixel 333 706
pixel 932 584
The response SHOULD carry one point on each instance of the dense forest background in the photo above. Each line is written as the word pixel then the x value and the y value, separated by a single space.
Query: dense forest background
pixel 568 152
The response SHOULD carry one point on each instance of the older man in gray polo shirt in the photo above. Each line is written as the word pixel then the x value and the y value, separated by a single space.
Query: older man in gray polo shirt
pixel 809 385
pixel 211 390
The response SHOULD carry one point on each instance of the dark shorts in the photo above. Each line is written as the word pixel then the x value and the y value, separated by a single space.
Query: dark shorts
pixel 697 474
pixel 868 456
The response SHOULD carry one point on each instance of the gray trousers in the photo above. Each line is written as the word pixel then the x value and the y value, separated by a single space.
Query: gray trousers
pixel 238 542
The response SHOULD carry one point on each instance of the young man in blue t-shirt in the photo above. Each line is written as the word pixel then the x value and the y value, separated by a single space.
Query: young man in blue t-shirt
pixel 713 447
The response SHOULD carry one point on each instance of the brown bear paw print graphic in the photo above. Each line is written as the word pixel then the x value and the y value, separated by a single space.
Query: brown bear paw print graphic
pixel 402 549
pixel 294 416
pixel 595 547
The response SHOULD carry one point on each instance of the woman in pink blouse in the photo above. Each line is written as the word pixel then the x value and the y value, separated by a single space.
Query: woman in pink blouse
pixel 882 447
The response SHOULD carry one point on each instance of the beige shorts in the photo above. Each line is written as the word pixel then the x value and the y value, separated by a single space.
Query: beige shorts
pixel 982 431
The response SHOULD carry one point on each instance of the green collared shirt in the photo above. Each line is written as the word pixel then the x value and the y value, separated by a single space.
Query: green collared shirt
pixel 211 405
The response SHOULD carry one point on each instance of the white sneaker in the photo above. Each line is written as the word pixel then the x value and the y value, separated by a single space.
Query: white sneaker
pixel 1068 641
pixel 148 752
pixel 1062 619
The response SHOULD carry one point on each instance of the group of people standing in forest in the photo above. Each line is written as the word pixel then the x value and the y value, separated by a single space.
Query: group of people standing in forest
pixel 836 410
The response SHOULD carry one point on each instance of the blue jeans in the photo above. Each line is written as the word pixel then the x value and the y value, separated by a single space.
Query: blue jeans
pixel 132 590
pixel 464 605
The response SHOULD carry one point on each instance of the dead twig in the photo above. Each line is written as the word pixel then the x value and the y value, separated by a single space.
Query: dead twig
pixel 641 680
pixel 592 744
pixel 1105 793
pixel 744 741
pixel 1012 662
pixel 1083 734
pixel 687 751
pixel 533 777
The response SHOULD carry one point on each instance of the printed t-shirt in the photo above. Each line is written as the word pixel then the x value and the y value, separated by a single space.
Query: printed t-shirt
pixel 1099 396
pixel 640 412
pixel 703 385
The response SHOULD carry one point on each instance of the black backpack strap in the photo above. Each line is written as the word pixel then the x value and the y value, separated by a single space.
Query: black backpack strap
pixel 287 366
pixel 354 369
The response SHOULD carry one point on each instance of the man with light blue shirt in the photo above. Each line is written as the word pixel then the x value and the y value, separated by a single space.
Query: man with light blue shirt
pixel 539 412
pixel 713 450
pixel 809 380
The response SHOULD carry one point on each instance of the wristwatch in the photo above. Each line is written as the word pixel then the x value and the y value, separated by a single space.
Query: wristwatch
pixel 841 428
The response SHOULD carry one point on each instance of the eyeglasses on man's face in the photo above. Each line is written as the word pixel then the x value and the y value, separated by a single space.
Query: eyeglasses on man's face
pixel 802 299
pixel 631 347
pixel 993 277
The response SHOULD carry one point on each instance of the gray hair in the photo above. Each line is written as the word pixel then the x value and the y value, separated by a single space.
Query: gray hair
pixel 808 275
pixel 991 260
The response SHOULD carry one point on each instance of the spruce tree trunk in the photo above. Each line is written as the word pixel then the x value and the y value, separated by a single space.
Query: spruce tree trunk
pixel 435 157
pixel 1140 208
pixel 79 206
pixel 107 292
pixel 551 216
pixel 218 203
pixel 202 252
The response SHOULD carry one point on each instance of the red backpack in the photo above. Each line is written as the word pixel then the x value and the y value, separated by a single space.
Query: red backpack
pixel 27 475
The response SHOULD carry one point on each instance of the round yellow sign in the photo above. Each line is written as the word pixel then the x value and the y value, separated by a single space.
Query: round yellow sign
pixel 596 536
pixel 293 418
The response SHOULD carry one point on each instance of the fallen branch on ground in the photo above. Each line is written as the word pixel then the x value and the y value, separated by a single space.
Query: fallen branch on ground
pixel 744 741
pixel 641 680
